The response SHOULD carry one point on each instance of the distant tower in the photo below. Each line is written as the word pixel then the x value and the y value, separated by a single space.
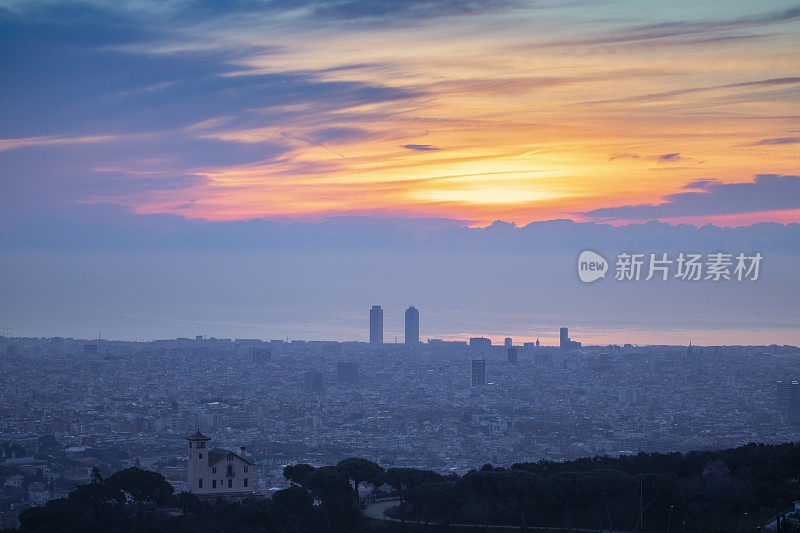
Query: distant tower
pixel 412 325
pixel 198 462
pixel 564 338
pixel 478 374
pixel 313 381
pixel 512 355
pixel 347 372
pixel 537 343
pixel 259 354
pixel 376 325
pixel 508 342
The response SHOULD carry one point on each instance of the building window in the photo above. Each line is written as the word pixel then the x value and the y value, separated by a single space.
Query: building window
pixel 190 444
pixel 230 470
pixel 213 483
pixel 200 483
pixel 199 455
pixel 230 483
pixel 214 470
pixel 201 444
pixel 245 482
pixel 245 469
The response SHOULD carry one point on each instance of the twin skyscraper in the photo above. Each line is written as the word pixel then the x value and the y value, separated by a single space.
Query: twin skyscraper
pixel 376 325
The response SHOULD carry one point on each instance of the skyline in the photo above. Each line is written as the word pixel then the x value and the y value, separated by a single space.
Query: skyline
pixel 270 167
pixel 509 110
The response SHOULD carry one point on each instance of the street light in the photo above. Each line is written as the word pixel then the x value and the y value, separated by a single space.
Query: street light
pixel 669 517
pixel 741 523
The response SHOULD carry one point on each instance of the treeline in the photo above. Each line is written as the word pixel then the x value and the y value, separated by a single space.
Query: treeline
pixel 714 491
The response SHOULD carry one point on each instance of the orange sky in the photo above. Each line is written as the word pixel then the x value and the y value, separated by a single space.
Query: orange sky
pixel 520 114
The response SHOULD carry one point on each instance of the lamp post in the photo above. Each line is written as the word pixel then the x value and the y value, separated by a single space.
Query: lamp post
pixel 669 517
pixel 741 523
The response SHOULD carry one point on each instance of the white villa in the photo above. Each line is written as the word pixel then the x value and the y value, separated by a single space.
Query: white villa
pixel 214 471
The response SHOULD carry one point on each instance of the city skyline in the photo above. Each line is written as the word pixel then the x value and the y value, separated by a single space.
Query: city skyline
pixel 379 265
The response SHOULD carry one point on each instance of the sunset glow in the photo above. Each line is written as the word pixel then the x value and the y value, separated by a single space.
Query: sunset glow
pixel 555 111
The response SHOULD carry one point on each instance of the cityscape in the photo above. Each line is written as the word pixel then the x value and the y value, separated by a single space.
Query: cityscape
pixel 399 266
pixel 447 406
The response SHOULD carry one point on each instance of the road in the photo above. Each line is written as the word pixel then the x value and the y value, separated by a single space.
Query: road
pixel 376 511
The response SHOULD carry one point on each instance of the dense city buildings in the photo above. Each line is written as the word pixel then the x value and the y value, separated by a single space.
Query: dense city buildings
pixel 376 325
pixel 412 326
pixel 64 411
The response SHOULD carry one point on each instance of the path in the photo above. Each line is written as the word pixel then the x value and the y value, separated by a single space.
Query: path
pixel 376 511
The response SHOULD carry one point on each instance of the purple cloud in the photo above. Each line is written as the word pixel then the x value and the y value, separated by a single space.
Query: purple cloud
pixel 777 140
pixel 767 192
pixel 420 147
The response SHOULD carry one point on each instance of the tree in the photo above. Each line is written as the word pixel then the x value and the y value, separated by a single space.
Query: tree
pixel 298 503
pixel 435 496
pixel 188 503
pixel 334 492
pixel 565 493
pixel 358 471
pixel 521 486
pixel 603 486
pixel 483 485
pixel 295 473
pixel 95 476
pixel 405 478
pixel 141 486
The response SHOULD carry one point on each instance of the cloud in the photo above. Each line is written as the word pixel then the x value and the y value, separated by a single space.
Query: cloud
pixel 776 140
pixel 663 95
pixel 663 158
pixel 682 33
pixel 420 147
pixel 767 192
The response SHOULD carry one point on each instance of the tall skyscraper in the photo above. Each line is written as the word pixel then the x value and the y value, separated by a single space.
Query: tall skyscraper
pixel 564 338
pixel 508 342
pixel 412 325
pixel 480 344
pixel 347 372
pixel 789 400
pixel 376 325
pixel 259 354
pixel 478 375
pixel 512 355
pixel 313 381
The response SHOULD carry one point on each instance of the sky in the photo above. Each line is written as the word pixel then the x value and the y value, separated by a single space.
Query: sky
pixel 171 129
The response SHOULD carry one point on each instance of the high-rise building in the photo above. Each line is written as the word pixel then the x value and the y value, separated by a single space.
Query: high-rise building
pixel 478 374
pixel 260 354
pixel 512 355
pixel 376 325
pixel 564 338
pixel 347 372
pixel 627 395
pixel 508 342
pixel 789 400
pixel 313 381
pixel 412 325
pixel 480 344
